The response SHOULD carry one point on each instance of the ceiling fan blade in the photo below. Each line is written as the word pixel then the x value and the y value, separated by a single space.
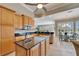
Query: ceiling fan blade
pixel 40 12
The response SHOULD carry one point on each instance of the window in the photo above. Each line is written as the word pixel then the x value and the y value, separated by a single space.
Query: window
pixel 77 28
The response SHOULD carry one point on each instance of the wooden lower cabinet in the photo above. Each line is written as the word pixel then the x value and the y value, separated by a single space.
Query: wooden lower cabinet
pixel 47 46
pixel 21 51
pixel 43 48
pixel 7 46
pixel 32 35
pixel 34 51
pixel 39 48
pixel 18 38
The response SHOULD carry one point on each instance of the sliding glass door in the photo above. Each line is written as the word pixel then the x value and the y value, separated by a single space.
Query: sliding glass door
pixel 69 27
pixel 77 28
pixel 66 27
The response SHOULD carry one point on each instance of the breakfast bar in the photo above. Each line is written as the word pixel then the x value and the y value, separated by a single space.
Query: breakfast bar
pixel 36 46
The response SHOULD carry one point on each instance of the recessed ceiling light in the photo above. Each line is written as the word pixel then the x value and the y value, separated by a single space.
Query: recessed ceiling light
pixel 39 6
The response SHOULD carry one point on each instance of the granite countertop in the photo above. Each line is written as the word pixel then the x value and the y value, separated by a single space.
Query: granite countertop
pixel 40 38
pixel 28 43
pixel 26 33
pixel 76 42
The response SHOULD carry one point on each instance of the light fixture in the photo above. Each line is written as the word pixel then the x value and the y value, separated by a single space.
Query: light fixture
pixel 39 6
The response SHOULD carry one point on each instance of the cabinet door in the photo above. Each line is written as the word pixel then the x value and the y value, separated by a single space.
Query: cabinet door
pixel 20 38
pixel 20 51
pixel 47 46
pixel 35 50
pixel 43 48
pixel 7 39
pixel 0 31
pixel 25 19
pixel 30 21
pixel 0 39
pixel 10 18
pixel 15 21
pixel 18 21
pixel 7 17
pixel 0 16
pixel 33 23
pixel 4 16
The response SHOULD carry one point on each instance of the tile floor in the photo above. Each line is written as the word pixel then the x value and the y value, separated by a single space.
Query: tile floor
pixel 59 49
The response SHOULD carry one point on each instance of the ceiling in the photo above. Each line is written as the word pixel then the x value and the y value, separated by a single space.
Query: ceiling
pixel 52 8
pixel 66 15
pixel 56 11
pixel 35 4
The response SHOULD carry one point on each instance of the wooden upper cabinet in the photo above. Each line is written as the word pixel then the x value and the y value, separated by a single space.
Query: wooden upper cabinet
pixel 28 20
pixel 31 21
pixel 18 23
pixel 7 17
pixel 25 20
pixel 15 21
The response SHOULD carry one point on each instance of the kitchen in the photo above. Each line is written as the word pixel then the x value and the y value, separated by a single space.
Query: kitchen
pixel 19 29
pixel 32 29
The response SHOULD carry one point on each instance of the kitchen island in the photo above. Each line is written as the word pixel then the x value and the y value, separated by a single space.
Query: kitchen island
pixel 36 46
